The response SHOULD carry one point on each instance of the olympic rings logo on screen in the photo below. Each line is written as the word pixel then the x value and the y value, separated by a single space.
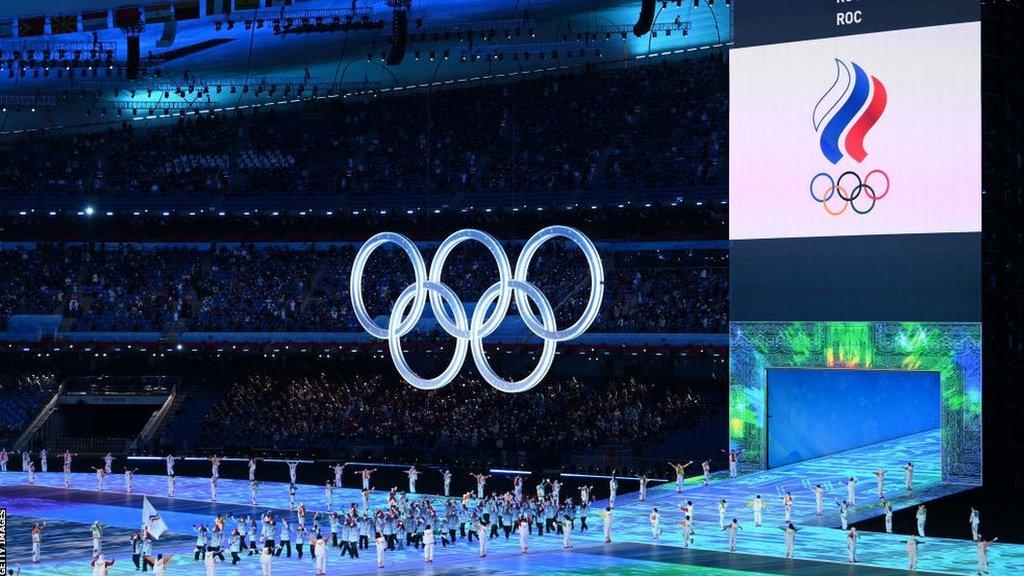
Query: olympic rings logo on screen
pixel 859 195
pixel 469 331
pixel 844 115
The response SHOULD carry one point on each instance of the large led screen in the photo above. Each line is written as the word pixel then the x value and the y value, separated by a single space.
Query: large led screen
pixel 869 134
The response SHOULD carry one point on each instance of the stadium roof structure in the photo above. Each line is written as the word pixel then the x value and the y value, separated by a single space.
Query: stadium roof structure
pixel 65 63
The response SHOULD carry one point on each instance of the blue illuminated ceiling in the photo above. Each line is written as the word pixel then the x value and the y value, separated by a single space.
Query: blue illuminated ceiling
pixel 347 61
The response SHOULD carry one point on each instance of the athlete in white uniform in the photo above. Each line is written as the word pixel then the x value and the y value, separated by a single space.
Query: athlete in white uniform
pixel 880 483
pixel 732 527
pixel 982 546
pixel 851 491
pixel 129 474
pixel 214 466
pixel 655 519
pixel 524 536
pixel 851 543
pixel 413 474
pixel 790 531
pixel 723 505
pixel 912 543
pixel 428 544
pixel 366 474
pixel 37 540
pixel 481 482
pixel 687 524
pixel 758 506
pixel 887 507
pixel 787 506
pixel 101 477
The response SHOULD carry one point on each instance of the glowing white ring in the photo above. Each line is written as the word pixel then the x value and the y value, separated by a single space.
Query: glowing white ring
pixel 395 344
pixel 471 332
pixel 596 282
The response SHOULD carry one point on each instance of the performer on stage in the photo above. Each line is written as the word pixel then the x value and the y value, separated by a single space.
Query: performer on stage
pixel 912 544
pixel 982 546
pixel 214 466
pixel 680 470
pixel 790 531
pixel 607 517
pixel 819 499
pixel 732 527
pixel 887 507
pixel 921 515
pixel 880 483
pixel 252 469
pixel 365 474
pixel 787 506
pixel 687 524
pixel 37 540
pixel 851 543
pixel 101 477
pixel 129 474
pixel 908 476
pixel 108 462
pixel 706 469
pixel 413 474
pixel 293 466
pixel 170 485
pixel 44 457
pixel 975 521
pixel 758 506
pixel 481 482
pixel 723 505
pixel 734 458
pixel 643 488
pixel 655 519
pixel 447 476
pixel 613 490
pixel 851 491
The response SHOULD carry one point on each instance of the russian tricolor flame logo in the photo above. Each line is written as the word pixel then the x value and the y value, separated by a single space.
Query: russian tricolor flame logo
pixel 848 111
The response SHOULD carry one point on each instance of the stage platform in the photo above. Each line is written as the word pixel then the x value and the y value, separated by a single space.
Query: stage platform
pixel 820 545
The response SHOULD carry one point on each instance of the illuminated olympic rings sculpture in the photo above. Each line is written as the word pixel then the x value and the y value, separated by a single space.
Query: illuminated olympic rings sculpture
pixel 857 194
pixel 470 332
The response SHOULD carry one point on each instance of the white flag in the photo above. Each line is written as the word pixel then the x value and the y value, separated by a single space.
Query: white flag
pixel 151 520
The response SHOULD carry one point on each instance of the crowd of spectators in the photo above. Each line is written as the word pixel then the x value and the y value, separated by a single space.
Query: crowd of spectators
pixel 305 288
pixel 566 414
pixel 660 125
pixel 36 281
pixel 20 398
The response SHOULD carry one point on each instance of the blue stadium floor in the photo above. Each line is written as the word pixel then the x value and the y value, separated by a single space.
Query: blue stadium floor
pixel 820 550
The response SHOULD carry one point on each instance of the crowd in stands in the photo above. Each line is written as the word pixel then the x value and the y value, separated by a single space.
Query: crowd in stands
pixel 653 126
pixel 20 398
pixel 564 414
pixel 36 281
pixel 273 288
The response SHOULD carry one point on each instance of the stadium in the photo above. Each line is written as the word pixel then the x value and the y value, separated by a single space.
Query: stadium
pixel 704 287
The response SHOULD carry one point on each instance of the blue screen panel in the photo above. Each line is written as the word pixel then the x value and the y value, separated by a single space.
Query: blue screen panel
pixel 817 412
